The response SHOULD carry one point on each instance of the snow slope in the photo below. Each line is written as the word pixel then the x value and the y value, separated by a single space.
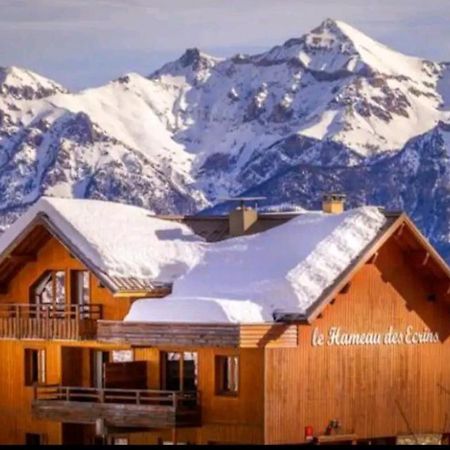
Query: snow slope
pixel 236 280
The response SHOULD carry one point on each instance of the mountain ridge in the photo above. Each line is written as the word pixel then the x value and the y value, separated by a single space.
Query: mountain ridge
pixel 332 102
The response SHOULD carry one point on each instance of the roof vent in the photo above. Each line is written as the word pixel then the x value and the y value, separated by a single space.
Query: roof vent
pixel 333 203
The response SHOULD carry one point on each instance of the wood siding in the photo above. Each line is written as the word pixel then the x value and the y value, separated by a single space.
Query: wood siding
pixel 198 335
pixel 121 408
pixel 54 256
pixel 15 398
pixel 160 334
pixel 284 382
pixel 224 419
pixel 373 390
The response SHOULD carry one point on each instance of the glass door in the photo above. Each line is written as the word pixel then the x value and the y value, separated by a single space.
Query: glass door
pixel 98 360
pixel 80 290
pixel 179 371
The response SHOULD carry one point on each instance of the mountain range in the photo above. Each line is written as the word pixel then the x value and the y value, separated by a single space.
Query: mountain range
pixel 333 110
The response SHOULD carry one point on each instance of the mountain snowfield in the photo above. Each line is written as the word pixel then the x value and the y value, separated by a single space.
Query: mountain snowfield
pixel 331 110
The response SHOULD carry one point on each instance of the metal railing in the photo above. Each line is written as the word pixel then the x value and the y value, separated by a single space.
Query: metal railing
pixel 172 399
pixel 52 321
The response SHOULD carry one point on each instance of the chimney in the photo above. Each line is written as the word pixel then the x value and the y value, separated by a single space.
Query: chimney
pixel 241 219
pixel 333 203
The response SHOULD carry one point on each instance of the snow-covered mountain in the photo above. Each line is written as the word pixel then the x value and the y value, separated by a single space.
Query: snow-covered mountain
pixel 331 110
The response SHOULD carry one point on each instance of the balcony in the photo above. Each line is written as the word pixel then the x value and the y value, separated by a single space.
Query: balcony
pixel 65 321
pixel 122 408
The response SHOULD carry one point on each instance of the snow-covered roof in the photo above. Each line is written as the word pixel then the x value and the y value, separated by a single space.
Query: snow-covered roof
pixel 246 279
pixel 116 240
pixel 284 269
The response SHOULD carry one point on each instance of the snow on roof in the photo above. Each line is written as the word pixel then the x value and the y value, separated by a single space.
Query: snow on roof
pixel 119 240
pixel 284 269
pixel 239 280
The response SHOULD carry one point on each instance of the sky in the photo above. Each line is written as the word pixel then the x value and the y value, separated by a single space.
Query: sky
pixel 85 43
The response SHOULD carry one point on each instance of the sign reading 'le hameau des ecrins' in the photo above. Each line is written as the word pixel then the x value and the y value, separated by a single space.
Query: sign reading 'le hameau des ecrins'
pixel 339 336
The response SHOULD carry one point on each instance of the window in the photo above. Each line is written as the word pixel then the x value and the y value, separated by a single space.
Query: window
pixel 227 375
pixel 49 289
pixel 34 366
pixel 161 441
pixel 179 371
pixel 122 355
pixel 79 287
pixel 35 439
pixel 119 440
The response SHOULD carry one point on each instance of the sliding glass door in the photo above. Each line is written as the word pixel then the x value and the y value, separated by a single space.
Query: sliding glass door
pixel 179 371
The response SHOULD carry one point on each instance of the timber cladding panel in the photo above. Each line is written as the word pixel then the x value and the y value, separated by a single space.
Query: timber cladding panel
pixel 54 256
pixel 118 415
pixel 16 398
pixel 224 419
pixel 373 390
pixel 198 335
pixel 157 334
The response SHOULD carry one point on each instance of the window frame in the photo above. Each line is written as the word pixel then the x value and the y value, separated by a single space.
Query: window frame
pixel 29 370
pixel 115 438
pixel 41 436
pixel 179 357
pixel 35 299
pixel 76 294
pixel 220 365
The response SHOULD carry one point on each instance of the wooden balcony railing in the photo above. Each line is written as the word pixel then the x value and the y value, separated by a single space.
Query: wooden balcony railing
pixel 174 399
pixel 118 407
pixel 65 321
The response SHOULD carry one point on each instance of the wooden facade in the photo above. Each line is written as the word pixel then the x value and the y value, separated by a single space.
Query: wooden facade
pixel 290 377
pixel 374 391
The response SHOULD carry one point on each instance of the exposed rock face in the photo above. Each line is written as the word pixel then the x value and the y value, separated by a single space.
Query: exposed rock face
pixel 331 110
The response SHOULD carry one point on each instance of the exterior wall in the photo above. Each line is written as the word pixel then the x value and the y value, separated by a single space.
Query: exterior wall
pixel 373 390
pixel 224 419
pixel 381 390
pixel 15 397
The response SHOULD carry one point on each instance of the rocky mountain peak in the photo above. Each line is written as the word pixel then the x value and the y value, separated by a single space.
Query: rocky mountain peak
pixel 336 47
pixel 193 64
pixel 331 110
pixel 22 84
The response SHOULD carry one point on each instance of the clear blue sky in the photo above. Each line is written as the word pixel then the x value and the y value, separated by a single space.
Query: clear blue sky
pixel 84 43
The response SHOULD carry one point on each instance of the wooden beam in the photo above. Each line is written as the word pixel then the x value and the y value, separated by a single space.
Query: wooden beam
pixel 418 258
pixel 443 287
pixel 399 231
pixel 22 258
pixel 373 258
pixel 155 293
pixel 346 288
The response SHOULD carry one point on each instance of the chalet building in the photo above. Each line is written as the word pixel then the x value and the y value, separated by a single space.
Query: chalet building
pixel 120 327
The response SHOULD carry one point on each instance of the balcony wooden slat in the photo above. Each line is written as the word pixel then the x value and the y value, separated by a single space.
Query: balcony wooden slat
pixel 118 407
pixel 31 321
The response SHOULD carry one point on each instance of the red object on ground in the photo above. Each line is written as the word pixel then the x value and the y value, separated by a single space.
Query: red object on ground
pixel 309 433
